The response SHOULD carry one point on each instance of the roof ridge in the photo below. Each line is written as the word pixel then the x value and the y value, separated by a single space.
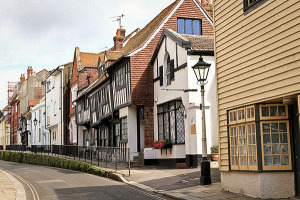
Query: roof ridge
pixel 145 33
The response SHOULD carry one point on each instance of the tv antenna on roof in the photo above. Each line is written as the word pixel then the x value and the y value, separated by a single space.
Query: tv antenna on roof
pixel 119 18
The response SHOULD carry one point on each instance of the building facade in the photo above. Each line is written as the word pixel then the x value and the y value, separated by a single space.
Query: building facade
pixel 177 114
pixel 258 86
pixel 53 104
pixel 122 113
pixel 39 134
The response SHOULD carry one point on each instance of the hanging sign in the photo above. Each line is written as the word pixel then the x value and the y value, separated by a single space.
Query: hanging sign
pixel 193 129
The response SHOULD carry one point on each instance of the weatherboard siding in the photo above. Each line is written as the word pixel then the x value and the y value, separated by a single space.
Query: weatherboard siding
pixel 257 57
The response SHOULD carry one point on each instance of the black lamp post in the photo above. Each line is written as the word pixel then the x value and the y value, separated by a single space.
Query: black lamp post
pixel 201 70
pixel 35 122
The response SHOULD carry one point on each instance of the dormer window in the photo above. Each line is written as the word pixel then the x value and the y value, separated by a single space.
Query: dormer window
pixel 189 26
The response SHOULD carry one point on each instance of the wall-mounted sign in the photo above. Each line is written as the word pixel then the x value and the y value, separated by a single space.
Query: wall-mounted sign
pixel 193 129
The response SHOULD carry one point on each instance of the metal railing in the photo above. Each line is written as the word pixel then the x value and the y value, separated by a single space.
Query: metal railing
pixel 108 157
pixel 16 147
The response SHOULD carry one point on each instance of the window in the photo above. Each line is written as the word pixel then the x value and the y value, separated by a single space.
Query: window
pixel 117 134
pixel 268 130
pixel 103 96
pixel 104 136
pixel 250 116
pixel 86 103
pixel 74 94
pixel 276 145
pixel 120 78
pixel 189 26
pixel 249 3
pixel 273 111
pixel 48 86
pixel 54 108
pixel 169 70
pixel 52 81
pixel 171 122
pixel 40 116
pixel 243 154
pixel 124 129
pixel 39 134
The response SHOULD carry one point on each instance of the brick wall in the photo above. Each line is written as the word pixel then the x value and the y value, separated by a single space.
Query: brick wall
pixel 82 77
pixel 37 92
pixel 142 73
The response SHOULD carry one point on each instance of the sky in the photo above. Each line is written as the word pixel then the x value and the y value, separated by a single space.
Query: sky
pixel 44 33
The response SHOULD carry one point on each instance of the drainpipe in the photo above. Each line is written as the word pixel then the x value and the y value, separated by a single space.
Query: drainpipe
pixel 61 106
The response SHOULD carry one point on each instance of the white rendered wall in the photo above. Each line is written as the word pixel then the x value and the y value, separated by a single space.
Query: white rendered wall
pixel 210 102
pixel 35 113
pixel 185 79
pixel 54 99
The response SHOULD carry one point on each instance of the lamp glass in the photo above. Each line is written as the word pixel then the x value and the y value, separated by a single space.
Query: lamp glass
pixel 201 70
pixel 35 122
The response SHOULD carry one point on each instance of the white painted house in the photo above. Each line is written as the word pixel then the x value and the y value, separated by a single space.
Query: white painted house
pixel 173 76
pixel 39 134
pixel 54 108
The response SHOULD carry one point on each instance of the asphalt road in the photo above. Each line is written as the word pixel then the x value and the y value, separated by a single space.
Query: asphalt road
pixel 54 183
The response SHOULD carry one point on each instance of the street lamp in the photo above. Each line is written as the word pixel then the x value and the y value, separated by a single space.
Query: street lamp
pixel 181 109
pixel 201 70
pixel 35 122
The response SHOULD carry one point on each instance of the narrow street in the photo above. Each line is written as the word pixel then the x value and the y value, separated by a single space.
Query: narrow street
pixel 52 183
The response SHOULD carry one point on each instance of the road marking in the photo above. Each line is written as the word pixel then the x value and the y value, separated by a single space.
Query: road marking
pixel 32 189
pixel 50 181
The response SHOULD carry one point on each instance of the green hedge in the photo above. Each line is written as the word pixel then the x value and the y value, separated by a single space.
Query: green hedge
pixel 36 159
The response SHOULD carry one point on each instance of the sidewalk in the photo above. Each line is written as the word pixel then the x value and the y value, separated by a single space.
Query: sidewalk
pixel 178 183
pixel 10 188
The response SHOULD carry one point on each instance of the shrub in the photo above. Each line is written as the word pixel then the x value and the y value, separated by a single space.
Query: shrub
pixel 214 149
pixel 51 161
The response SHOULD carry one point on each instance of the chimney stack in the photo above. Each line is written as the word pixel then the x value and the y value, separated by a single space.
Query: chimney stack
pixel 29 71
pixel 22 78
pixel 118 39
pixel 206 2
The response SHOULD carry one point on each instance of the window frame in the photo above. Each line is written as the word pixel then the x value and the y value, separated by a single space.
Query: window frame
pixel 276 167
pixel 246 110
pixel 167 125
pixel 256 122
pixel 273 117
pixel 185 25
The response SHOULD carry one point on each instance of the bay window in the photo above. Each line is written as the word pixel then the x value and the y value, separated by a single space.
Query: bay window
pixel 259 138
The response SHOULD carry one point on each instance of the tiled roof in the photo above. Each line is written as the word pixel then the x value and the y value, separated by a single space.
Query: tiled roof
pixel 33 102
pixel 130 35
pixel 89 59
pixel 113 55
pixel 191 42
pixel 141 37
pixel 201 43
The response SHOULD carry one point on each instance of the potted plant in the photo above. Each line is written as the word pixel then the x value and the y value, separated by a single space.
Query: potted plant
pixel 215 153
pixel 163 144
